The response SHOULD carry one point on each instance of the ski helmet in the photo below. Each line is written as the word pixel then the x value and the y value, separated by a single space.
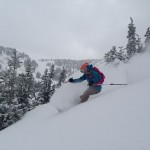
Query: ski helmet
pixel 83 67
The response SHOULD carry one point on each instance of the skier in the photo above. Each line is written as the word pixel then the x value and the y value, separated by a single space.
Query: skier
pixel 94 77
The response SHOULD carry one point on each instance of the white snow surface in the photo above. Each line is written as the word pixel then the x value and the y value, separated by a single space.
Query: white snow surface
pixel 118 118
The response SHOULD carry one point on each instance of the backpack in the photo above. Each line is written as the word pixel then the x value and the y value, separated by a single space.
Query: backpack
pixel 101 74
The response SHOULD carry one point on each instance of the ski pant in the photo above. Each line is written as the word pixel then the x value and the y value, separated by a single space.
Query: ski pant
pixel 90 91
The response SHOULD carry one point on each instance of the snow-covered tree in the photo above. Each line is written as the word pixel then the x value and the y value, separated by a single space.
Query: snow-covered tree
pixel 111 55
pixel 45 88
pixel 25 87
pixel 9 78
pixel 147 38
pixel 10 110
pixel 9 114
pixel 62 77
pixel 131 45
pixel 47 85
pixel 139 44
pixel 33 63
pixel 121 55
pixel 38 75
pixel 29 78
pixel 22 92
pixel 52 72
pixel 51 77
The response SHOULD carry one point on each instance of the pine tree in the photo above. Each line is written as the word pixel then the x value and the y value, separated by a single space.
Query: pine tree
pixel 25 88
pixel 10 110
pixel 51 78
pixel 62 77
pixel 147 38
pixel 111 55
pixel 121 54
pixel 44 94
pixel 47 86
pixel 9 78
pixel 139 44
pixel 131 46
pixel 29 79
pixel 22 93
pixel 53 89
pixel 52 72
pixel 38 75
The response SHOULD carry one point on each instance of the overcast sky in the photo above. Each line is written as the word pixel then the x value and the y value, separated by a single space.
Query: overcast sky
pixel 75 29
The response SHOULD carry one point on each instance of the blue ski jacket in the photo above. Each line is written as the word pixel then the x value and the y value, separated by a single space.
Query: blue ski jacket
pixel 91 76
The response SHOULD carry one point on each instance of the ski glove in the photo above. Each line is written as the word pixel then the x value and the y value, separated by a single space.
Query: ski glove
pixel 91 83
pixel 70 80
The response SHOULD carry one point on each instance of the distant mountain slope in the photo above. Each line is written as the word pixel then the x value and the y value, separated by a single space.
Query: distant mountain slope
pixel 39 66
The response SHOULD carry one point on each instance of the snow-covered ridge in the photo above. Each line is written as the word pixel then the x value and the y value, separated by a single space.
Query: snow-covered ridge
pixel 71 66
pixel 117 118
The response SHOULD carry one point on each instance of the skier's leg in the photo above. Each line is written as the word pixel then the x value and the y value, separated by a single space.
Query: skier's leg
pixel 87 93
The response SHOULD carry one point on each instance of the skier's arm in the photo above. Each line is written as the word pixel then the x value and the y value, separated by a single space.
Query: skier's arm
pixel 82 78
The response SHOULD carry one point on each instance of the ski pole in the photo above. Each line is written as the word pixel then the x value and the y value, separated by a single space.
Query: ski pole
pixel 115 84
pixel 112 84
pixel 66 81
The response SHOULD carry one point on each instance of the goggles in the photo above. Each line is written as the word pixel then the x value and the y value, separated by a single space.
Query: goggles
pixel 83 70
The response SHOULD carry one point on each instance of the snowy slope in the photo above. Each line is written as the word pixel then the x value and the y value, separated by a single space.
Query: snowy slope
pixel 116 119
